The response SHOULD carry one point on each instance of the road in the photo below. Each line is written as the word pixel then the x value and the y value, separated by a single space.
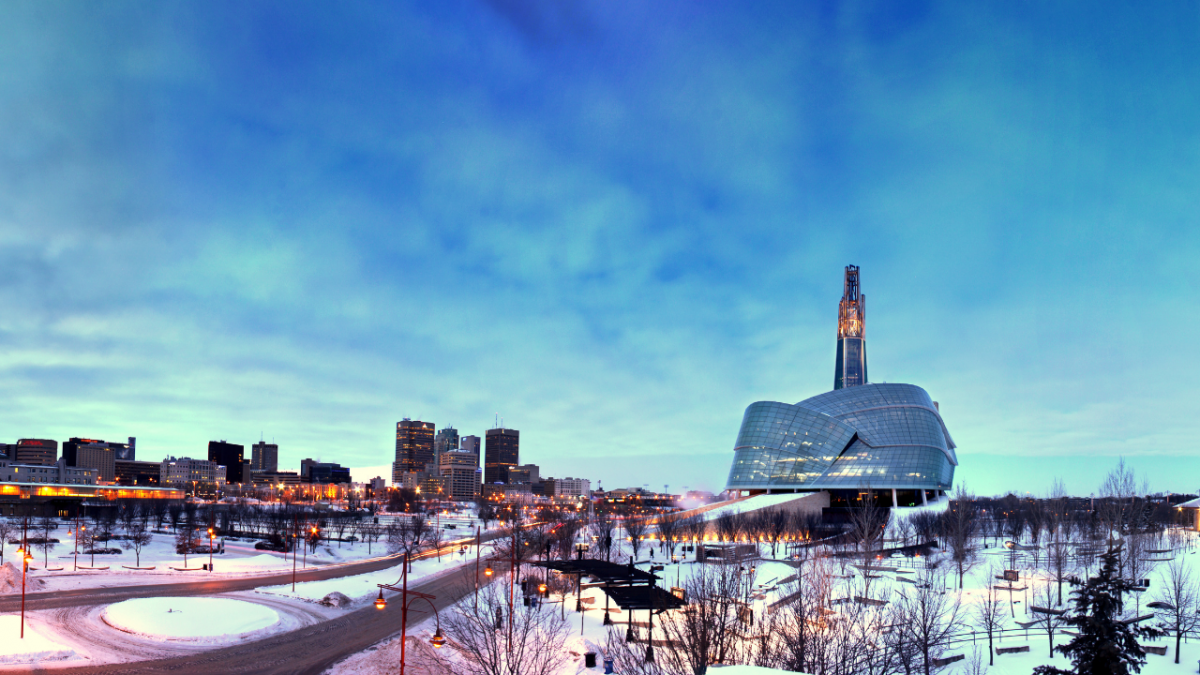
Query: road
pixel 309 650
pixel 111 594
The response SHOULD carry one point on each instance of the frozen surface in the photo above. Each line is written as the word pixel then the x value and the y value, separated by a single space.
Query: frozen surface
pixel 36 648
pixel 189 618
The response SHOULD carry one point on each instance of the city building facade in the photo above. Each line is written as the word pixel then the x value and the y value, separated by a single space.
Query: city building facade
pixel 470 444
pixel 323 472
pixel 446 440
pixel 502 450
pixel 230 456
pixel 97 456
pixel 460 475
pixel 185 471
pixel 858 439
pixel 58 473
pixel 36 451
pixel 133 472
pixel 264 457
pixel 568 487
pixel 414 448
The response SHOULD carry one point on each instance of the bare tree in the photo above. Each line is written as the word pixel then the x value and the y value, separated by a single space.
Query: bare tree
pixel 136 538
pixel 989 614
pixel 45 528
pixel 1178 600
pixel 960 524
pixel 668 530
pixel 924 617
pixel 603 528
pixel 6 531
pixel 407 534
pixel 185 539
pixel 528 641
pixel 706 631
pixel 635 529
pixel 729 526
pixel 1047 618
pixel 867 523
pixel 776 523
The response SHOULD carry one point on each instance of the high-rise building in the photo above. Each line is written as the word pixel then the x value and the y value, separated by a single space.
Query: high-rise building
pixel 229 455
pixel 264 457
pixel 470 444
pixel 36 451
pixel 459 474
pixel 100 457
pixel 851 366
pixel 446 440
pixel 414 448
pixel 502 449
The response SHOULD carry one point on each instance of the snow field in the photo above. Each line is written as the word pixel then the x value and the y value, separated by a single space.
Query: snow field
pixel 34 649
pixel 189 618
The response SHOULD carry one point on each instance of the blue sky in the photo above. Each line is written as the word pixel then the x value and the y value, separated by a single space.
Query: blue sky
pixel 616 224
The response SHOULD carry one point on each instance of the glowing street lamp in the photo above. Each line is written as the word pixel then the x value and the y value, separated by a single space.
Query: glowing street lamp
pixel 26 558
pixel 210 550
pixel 438 640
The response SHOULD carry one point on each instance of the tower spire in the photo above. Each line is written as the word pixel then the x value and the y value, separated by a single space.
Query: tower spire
pixel 851 369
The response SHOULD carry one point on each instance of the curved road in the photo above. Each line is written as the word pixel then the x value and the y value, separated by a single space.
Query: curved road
pixel 311 649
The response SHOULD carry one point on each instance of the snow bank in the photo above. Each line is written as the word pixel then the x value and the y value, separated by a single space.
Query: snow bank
pixel 34 649
pixel 10 580
pixel 752 504
pixel 189 618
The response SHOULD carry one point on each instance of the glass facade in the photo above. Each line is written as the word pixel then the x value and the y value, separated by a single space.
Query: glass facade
pixel 876 435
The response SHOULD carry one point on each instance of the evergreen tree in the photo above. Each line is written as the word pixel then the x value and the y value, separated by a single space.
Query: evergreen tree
pixel 1106 644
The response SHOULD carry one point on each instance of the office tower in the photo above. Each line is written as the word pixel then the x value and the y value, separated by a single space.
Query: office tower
pixel 446 440
pixel 97 456
pixel 133 472
pixel 264 457
pixel 128 452
pixel 470 444
pixel 228 455
pixel 459 472
pixel 851 366
pixel 502 449
pixel 36 451
pixel 414 448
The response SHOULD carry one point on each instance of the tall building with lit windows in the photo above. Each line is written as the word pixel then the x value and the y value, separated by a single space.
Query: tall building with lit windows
pixel 888 439
pixel 851 365
pixel 501 450
pixel 414 448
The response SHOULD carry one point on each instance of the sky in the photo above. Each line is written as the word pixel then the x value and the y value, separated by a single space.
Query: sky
pixel 612 224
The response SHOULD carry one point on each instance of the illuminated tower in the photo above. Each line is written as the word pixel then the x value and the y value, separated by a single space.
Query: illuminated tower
pixel 852 334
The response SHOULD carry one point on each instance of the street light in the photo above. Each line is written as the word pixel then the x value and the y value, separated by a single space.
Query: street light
pixel 26 557
pixel 380 603
pixel 210 548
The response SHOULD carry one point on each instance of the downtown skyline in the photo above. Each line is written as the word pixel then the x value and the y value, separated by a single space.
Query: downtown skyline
pixel 616 225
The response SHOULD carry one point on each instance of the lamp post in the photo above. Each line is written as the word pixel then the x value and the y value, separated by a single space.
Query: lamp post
pixel 26 556
pixel 478 540
pixel 210 548
pixel 407 596
pixel 79 528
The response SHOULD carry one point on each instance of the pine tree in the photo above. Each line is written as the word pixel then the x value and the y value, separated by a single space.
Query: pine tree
pixel 1105 644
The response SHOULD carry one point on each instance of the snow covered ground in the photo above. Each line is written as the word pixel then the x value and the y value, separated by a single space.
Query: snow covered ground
pixel 189 618
pixel 363 588
pixel 883 581
pixel 35 649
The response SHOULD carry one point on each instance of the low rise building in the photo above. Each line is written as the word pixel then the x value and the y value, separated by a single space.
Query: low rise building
pixel 130 472
pixel 58 473
pixel 378 486
pixel 284 479
pixel 184 471
pixel 567 487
